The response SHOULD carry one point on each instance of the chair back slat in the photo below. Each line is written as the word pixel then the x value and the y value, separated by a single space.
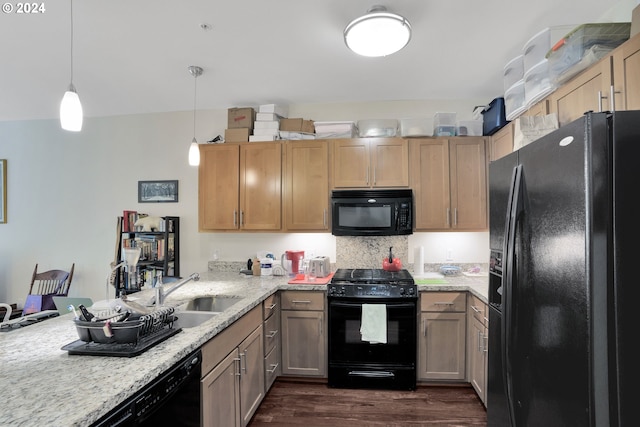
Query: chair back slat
pixel 55 282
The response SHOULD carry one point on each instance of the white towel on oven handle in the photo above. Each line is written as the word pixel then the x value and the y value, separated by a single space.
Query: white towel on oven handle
pixel 373 326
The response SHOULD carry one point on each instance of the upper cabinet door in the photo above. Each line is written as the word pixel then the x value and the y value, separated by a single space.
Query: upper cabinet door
pixel 306 185
pixel 260 186
pixel 626 68
pixel 588 91
pixel 430 183
pixel 218 183
pixel 468 163
pixel 390 162
pixel 351 163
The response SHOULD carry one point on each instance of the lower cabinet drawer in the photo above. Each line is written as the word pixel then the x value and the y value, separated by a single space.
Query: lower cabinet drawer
pixel 271 333
pixel 271 367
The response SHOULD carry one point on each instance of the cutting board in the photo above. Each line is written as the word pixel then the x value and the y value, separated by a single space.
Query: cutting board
pixel 431 281
pixel 317 281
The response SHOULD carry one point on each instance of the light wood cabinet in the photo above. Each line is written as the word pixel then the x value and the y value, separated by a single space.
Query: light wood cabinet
pixel 477 346
pixel 306 185
pixel 502 142
pixel 449 180
pixel 233 381
pixel 304 340
pixel 626 68
pixel 442 340
pixel 240 186
pixel 370 162
pixel 588 91
pixel 271 316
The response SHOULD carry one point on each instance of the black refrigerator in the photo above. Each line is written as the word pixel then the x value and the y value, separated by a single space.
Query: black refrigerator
pixel 564 237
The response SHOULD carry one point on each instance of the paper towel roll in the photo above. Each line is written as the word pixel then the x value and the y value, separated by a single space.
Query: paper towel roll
pixel 418 261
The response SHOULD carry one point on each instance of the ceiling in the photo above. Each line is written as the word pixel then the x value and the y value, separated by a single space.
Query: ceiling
pixel 131 57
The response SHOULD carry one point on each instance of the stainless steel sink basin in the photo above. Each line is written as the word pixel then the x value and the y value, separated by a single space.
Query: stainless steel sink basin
pixel 191 319
pixel 211 303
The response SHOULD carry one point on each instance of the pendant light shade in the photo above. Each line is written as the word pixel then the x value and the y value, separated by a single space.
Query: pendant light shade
pixel 70 107
pixel 71 110
pixel 378 33
pixel 194 149
pixel 194 153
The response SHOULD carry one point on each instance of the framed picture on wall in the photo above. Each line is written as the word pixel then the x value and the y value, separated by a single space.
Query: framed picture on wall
pixel 3 191
pixel 157 191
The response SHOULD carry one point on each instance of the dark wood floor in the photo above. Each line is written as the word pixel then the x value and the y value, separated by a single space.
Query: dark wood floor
pixel 291 403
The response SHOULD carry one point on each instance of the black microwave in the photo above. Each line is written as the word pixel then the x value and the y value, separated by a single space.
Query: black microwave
pixel 371 212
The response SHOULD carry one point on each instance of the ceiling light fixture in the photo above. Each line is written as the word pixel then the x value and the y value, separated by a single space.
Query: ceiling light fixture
pixel 194 150
pixel 70 107
pixel 378 33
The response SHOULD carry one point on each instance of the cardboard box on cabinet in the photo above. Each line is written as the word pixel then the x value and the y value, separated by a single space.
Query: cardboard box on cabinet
pixel 241 117
pixel 297 125
pixel 237 135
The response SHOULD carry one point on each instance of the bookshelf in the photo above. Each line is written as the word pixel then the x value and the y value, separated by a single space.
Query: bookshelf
pixel 159 255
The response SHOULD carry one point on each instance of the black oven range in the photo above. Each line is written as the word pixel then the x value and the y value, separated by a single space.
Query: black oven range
pixel 372 316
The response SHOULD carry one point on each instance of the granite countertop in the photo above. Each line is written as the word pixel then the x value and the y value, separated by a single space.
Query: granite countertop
pixel 44 385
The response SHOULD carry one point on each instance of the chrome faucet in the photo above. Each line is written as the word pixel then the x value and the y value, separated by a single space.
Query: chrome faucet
pixel 161 294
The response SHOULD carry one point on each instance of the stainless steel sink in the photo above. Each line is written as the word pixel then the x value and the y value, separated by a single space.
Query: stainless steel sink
pixel 191 319
pixel 216 303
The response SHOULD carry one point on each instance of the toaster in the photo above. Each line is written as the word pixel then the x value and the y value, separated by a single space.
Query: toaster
pixel 320 265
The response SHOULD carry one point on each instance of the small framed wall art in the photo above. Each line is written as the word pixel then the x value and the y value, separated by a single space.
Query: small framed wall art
pixel 157 191
pixel 3 191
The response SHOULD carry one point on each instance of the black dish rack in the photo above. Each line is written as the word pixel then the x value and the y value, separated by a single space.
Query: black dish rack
pixel 123 339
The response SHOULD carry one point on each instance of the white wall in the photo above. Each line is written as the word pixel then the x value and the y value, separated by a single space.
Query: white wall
pixel 66 189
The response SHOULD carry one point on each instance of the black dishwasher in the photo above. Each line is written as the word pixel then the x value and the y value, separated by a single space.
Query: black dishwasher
pixel 173 398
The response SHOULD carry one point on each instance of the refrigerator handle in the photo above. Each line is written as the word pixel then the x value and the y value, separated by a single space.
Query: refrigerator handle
pixel 514 206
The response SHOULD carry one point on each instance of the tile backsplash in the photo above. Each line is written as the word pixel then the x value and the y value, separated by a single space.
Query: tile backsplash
pixel 368 252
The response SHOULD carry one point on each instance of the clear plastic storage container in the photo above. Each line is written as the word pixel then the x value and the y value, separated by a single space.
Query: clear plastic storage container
pixel 377 127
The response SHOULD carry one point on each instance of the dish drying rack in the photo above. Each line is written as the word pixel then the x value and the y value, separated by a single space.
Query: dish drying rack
pixel 127 338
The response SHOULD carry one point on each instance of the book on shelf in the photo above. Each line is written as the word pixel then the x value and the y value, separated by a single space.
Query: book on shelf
pixel 128 219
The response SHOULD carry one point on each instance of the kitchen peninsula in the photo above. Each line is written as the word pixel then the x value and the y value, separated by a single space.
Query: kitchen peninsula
pixel 44 385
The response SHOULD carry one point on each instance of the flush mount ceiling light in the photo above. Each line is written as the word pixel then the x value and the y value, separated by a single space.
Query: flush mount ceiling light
pixel 194 150
pixel 378 33
pixel 70 107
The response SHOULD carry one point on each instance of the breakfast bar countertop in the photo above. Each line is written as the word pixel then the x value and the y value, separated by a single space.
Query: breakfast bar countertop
pixel 45 385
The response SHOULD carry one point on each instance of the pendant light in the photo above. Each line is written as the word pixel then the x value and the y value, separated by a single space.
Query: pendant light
pixel 194 150
pixel 70 107
pixel 378 33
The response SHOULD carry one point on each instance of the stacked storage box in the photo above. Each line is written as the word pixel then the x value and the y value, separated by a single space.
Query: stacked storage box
pixel 416 126
pixel 583 47
pixel 513 81
pixel 444 124
pixel 537 80
pixel 267 123
pixel 297 129
pixel 377 127
pixel 239 124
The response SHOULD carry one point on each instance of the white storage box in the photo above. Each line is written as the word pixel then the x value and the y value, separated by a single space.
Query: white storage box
pixel 377 128
pixel 514 102
pixel 536 49
pixel 513 71
pixel 275 109
pixel 444 124
pixel 537 83
pixel 417 126
pixel 343 129
pixel 469 128
pixel 266 124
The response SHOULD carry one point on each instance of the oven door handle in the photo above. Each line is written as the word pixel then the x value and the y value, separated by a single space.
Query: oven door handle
pixel 372 374
pixel 352 304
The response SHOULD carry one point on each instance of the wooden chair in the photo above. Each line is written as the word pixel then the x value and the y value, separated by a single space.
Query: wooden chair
pixel 49 284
